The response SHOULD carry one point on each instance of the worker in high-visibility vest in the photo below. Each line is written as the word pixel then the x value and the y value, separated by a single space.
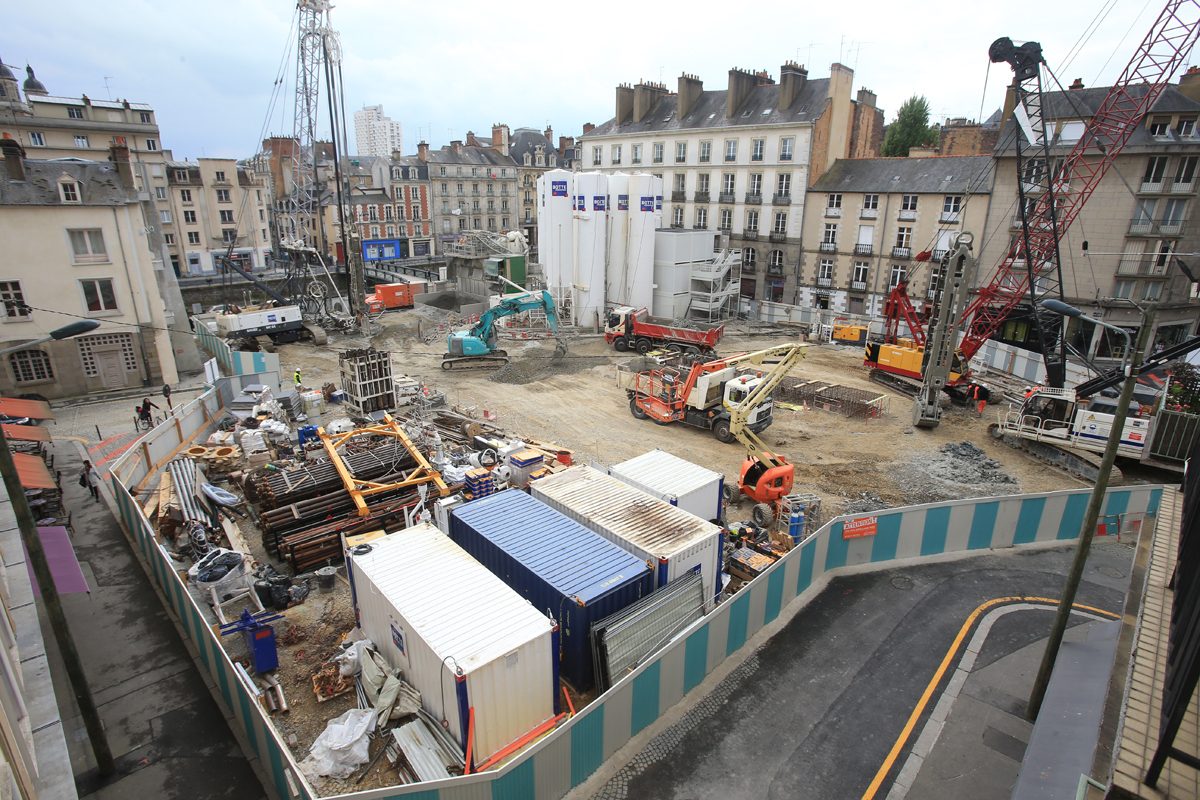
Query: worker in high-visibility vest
pixel 296 378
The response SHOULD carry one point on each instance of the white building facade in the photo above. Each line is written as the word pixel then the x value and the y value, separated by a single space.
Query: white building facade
pixel 375 134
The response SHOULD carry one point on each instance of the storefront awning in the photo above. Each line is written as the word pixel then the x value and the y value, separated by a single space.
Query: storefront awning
pixel 32 472
pixel 27 433
pixel 64 564
pixel 16 407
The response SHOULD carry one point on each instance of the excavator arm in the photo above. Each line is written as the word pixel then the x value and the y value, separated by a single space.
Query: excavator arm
pixel 788 356
pixel 484 328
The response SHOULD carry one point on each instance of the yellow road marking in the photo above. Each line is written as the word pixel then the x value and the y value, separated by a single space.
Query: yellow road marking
pixel 941 670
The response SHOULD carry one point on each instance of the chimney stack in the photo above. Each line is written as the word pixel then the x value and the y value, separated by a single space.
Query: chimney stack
pixel 1189 83
pixel 118 153
pixel 471 140
pixel 624 102
pixel 645 95
pixel 423 150
pixel 741 84
pixel 866 97
pixel 500 138
pixel 588 127
pixel 14 158
pixel 456 145
pixel 792 78
pixel 690 90
pixel 549 134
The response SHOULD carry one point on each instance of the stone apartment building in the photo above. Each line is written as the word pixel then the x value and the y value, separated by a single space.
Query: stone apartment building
pixel 209 205
pixel 392 221
pixel 737 161
pixel 534 153
pixel 473 188
pixel 74 247
pixel 1135 239
pixel 867 218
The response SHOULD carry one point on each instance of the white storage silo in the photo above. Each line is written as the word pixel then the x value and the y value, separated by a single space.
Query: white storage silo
pixel 617 292
pixel 556 244
pixel 591 193
pixel 639 253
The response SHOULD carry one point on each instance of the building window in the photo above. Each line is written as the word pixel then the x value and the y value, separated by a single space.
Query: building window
pixel 825 270
pixel 860 271
pixel 81 140
pixel 899 276
pixel 1151 290
pixel 658 152
pixel 870 202
pixel 677 217
pixel 904 237
pixel 834 201
pixel 151 145
pixel 222 195
pixel 181 175
pixel 730 150
pixel 780 225
pixel 751 221
pixel 784 184
pixel 504 223
pixel 193 237
pixel 702 182
pixel 728 181
pixel 164 217
pixel 636 156
pixel 1187 126
pixel 830 234
pixel 758 147
pixel 681 181
pixel 786 144
pixel 908 202
pixel 596 155
pixel 185 195
pixel 69 191
pixel 1160 126
pixel 749 259
pixel 160 192
pixel 616 154
pixel 262 217
pixel 1173 213
pixel 775 261
pixel 99 296
pixel 373 213
pixel 951 204
pixel 701 217
pixel 74 112
pixel 726 219
pixel 374 232
pixel 37 139
pixel 228 236
pixel 168 238
pixel 87 246
pixel 1123 289
pixel 189 217
pixel 31 366
pixel 14 301
pixel 705 152
pixel 681 152
pixel 226 216
pixel 219 176
pixel 123 340
pixel 144 116
pixel 387 213
pixel 755 184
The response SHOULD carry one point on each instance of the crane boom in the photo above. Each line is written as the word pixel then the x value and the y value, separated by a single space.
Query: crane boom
pixel 788 356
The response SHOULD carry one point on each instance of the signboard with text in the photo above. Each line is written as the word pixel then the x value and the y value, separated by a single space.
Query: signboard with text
pixel 857 528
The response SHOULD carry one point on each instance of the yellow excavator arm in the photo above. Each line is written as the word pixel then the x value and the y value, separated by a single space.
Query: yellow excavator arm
pixel 788 356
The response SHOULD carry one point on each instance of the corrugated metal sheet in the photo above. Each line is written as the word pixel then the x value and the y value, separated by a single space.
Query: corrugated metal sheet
pixel 431 608
pixel 32 472
pixel 681 483
pixel 649 528
pixel 556 564
pixel 421 750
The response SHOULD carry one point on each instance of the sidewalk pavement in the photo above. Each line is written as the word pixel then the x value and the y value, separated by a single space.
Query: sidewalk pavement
pixel 168 734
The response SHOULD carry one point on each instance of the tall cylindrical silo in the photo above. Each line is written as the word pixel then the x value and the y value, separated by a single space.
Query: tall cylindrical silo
pixel 556 250
pixel 618 234
pixel 639 252
pixel 591 200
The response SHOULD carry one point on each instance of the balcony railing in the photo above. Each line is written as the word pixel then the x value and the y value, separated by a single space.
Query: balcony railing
pixel 1152 187
pixel 680 159
pixel 864 249
pixel 1143 227
pixel 727 197
pixel 868 213
pixel 1178 187
pixel 781 199
pixel 678 197
pixel 949 218
pixel 725 227
pixel 833 212
pixel 754 199
pixel 702 197
pixel 700 226
pixel 657 159
pixel 906 216
pixel 778 236
pixel 825 283
pixel 491 193
pixel 676 224
pixel 937 255
pixel 1144 265
pixel 774 272
pixel 858 286
pixel 785 156
pixel 528 201
pixel 828 247
pixel 931 292
pixel 901 252
pixel 751 235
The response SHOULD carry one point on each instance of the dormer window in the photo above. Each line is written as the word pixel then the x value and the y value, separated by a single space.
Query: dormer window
pixel 528 160
pixel 1160 126
pixel 68 191
pixel 552 160
pixel 541 160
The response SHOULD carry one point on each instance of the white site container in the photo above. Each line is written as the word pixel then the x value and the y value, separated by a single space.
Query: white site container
pixel 672 541
pixel 681 483
pixel 431 609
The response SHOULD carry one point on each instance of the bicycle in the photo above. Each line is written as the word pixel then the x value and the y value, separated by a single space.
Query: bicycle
pixel 141 423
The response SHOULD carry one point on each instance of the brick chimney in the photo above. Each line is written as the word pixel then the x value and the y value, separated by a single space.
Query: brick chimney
pixel 118 153
pixel 588 127
pixel 741 84
pixel 456 145
pixel 500 138
pixel 564 142
pixel 423 150
pixel 549 133
pixel 645 95
pixel 624 102
pixel 1189 84
pixel 14 157
pixel 471 140
pixel 866 97
pixel 792 78
pixel 1077 85
pixel 690 90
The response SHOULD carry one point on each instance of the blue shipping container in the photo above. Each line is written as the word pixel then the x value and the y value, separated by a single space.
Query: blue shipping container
pixel 559 566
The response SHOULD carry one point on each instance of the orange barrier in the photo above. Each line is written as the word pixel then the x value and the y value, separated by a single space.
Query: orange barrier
pixel 508 750
pixel 570 705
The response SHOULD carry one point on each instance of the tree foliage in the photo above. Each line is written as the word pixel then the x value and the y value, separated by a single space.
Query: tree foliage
pixel 911 128
pixel 1184 394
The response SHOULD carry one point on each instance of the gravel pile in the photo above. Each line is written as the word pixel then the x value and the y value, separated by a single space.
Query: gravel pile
pixel 957 471
pixel 867 501
pixel 540 363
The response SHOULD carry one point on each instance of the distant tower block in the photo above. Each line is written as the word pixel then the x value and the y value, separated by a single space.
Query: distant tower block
pixel 367 380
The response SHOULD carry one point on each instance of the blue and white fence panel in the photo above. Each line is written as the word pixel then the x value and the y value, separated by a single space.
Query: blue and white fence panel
pixel 235 362
pixel 568 756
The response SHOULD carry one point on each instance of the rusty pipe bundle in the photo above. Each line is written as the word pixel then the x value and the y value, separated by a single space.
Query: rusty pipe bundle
pixel 276 489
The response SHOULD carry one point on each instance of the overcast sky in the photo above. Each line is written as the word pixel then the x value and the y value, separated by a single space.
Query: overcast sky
pixel 208 69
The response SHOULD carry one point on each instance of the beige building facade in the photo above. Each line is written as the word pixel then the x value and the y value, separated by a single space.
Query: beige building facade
pixel 208 205
pixel 867 220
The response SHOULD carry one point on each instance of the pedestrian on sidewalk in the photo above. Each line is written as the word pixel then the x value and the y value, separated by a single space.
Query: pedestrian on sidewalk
pixel 90 476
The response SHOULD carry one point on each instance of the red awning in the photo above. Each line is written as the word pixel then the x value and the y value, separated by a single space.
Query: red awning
pixel 32 472
pixel 16 407
pixel 28 433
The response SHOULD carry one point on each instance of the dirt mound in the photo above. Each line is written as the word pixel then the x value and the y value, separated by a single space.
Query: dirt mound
pixel 869 501
pixel 956 471
pixel 544 361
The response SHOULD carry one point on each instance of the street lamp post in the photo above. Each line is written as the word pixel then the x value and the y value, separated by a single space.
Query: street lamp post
pixel 45 579
pixel 1133 358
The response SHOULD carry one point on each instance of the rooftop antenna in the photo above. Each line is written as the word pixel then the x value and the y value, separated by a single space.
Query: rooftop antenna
pixel 811 45
pixel 107 90
pixel 841 46
pixel 855 49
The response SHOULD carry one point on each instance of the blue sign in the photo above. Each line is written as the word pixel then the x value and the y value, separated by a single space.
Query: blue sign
pixel 658 203
pixel 622 202
pixel 398 640
pixel 270 317
pixel 558 188
pixel 581 203
pixel 647 204
pixel 599 203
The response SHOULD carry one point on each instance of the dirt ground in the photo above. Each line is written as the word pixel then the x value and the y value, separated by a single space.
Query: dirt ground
pixel 573 400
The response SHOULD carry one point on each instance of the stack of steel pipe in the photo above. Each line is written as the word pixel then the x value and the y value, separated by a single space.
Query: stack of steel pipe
pixel 278 489
pixel 191 503
pixel 317 545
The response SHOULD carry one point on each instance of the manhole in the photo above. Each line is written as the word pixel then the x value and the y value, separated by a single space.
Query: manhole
pixel 1110 572
pixel 902 583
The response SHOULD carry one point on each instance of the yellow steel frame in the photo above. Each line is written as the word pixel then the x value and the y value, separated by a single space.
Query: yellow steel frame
pixel 359 489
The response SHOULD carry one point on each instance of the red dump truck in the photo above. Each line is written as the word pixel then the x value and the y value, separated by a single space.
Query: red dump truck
pixel 634 329
pixel 388 296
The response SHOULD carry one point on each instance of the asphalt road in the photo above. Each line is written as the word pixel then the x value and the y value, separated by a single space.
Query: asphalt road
pixel 816 710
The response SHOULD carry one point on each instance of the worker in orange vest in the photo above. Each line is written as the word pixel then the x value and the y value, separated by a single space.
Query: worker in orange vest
pixel 980 394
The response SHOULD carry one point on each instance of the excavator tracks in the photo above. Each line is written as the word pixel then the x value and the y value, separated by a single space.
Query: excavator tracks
pixel 906 386
pixel 494 360
pixel 1076 463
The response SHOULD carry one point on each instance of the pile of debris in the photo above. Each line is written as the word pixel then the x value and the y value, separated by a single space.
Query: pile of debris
pixel 957 471
pixel 540 362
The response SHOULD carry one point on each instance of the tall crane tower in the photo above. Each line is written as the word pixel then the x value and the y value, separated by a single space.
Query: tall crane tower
pixel 314 28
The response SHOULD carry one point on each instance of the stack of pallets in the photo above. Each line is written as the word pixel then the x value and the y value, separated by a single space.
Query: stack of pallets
pixel 480 483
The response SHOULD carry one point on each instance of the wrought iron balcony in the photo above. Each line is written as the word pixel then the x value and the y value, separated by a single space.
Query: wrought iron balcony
pixel 701 197
pixel 751 235
pixel 678 197
pixel 754 199
pixel 781 199
pixel 778 236
pixel 727 197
